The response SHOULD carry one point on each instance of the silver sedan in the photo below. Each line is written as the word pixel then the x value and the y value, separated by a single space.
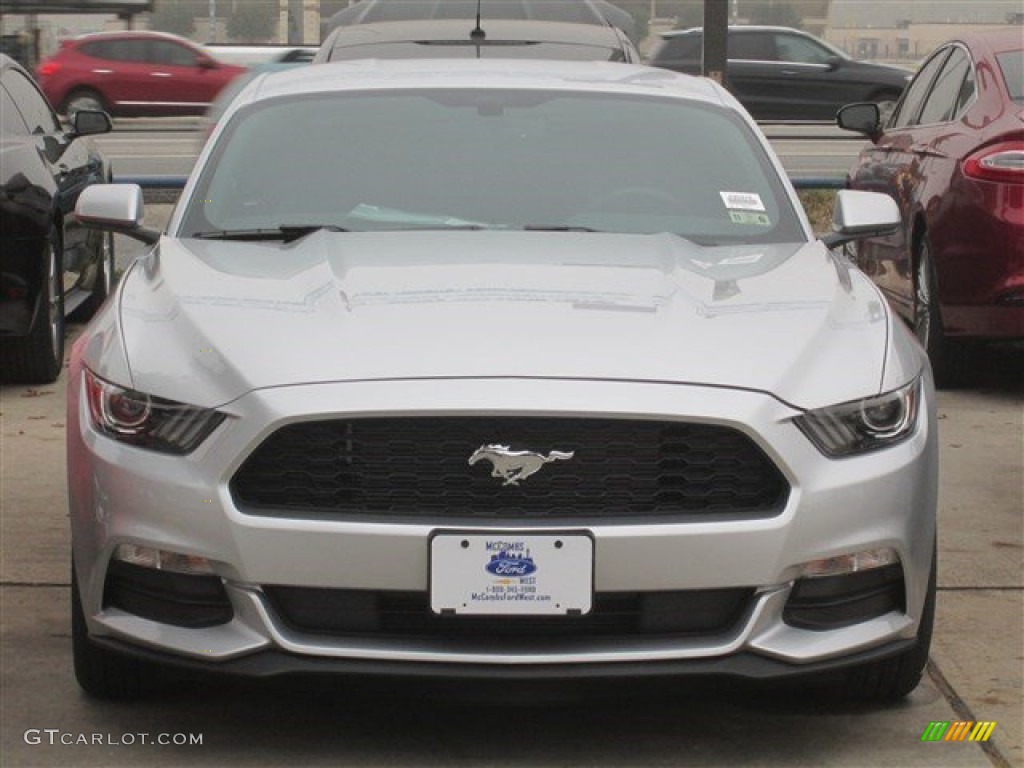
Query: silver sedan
pixel 498 370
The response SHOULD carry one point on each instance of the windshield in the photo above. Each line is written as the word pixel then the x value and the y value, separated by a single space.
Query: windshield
pixel 491 159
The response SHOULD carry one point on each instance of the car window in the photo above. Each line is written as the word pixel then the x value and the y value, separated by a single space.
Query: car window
pixel 941 102
pixel 1012 64
pixel 116 50
pixel 10 118
pixel 33 107
pixel 906 113
pixel 752 46
pixel 498 159
pixel 171 54
pixel 680 47
pixel 799 49
pixel 447 49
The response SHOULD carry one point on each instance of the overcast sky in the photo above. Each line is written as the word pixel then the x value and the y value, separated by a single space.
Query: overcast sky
pixel 886 13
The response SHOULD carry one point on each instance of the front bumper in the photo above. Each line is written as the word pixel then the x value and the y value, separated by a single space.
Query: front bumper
pixel 124 495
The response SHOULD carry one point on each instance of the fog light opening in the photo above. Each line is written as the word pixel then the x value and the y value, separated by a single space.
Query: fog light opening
pixel 162 560
pixel 867 560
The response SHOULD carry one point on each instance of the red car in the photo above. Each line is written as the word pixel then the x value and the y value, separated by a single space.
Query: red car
pixel 132 74
pixel 952 156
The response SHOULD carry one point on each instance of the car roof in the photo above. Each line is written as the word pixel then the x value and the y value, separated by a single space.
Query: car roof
pixel 436 30
pixel 130 33
pixel 381 74
pixel 736 28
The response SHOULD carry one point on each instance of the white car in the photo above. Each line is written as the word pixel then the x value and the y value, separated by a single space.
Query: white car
pixel 510 370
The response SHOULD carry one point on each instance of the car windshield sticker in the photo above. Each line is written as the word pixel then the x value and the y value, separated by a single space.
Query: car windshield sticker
pixel 742 201
pixel 747 217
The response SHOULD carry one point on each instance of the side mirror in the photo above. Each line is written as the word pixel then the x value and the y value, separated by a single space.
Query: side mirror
pixel 204 62
pixel 833 63
pixel 860 214
pixel 862 117
pixel 89 122
pixel 115 208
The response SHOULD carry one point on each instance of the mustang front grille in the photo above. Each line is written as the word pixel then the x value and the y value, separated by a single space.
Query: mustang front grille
pixel 419 468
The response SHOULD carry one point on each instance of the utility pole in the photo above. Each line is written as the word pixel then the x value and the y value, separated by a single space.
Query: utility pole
pixel 213 22
pixel 716 29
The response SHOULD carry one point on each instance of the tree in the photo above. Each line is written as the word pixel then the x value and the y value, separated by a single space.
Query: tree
pixel 253 20
pixel 776 15
pixel 174 16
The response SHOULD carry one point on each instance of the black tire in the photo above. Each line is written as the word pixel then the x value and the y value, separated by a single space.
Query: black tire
pixel 82 98
pixel 103 283
pixel 948 358
pixel 889 680
pixel 101 673
pixel 38 357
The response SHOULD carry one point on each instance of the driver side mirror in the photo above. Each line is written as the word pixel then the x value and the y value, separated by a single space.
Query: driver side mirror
pixel 860 214
pixel 833 63
pixel 863 117
pixel 89 122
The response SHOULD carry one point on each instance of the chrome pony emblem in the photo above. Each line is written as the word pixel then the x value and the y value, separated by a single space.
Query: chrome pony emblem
pixel 514 466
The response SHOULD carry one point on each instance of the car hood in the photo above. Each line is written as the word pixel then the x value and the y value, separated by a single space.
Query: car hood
pixel 206 321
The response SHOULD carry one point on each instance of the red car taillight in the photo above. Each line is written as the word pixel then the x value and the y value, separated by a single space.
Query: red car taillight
pixel 47 68
pixel 999 162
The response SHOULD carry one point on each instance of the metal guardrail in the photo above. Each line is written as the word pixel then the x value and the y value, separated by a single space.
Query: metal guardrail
pixel 178 182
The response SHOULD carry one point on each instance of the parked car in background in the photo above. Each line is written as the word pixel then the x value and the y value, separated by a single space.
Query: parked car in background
pixel 779 73
pixel 50 265
pixel 498 370
pixel 952 156
pixel 253 55
pixel 133 73
pixel 501 39
pixel 598 12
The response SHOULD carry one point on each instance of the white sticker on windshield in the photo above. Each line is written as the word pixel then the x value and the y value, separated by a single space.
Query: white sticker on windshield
pixel 742 201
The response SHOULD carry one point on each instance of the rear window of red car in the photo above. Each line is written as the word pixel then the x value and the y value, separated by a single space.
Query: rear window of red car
pixel 1012 64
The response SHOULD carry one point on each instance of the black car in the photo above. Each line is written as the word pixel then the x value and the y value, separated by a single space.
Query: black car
pixel 779 73
pixel 50 266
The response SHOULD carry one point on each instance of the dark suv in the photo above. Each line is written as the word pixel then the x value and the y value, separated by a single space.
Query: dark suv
pixel 785 74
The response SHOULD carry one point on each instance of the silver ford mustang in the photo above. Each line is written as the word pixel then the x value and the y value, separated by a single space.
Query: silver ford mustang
pixel 498 370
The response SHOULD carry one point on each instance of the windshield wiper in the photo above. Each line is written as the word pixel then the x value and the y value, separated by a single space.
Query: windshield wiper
pixel 557 228
pixel 287 233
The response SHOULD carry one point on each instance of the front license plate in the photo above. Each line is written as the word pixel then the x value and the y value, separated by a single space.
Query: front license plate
pixel 511 574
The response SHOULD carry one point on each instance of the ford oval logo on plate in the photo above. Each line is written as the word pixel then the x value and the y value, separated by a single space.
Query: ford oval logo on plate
pixel 511 564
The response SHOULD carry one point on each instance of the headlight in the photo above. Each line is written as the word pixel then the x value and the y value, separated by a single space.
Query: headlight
pixel 145 421
pixel 863 425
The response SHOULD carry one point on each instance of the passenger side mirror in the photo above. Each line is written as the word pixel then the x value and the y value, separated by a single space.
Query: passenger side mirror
pixel 863 117
pixel 860 214
pixel 204 62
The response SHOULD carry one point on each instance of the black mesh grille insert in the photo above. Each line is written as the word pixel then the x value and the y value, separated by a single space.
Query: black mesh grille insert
pixel 419 467
pixel 365 613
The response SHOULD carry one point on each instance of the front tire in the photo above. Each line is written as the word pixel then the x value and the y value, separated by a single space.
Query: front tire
pixel 38 357
pixel 101 673
pixel 103 283
pixel 947 357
